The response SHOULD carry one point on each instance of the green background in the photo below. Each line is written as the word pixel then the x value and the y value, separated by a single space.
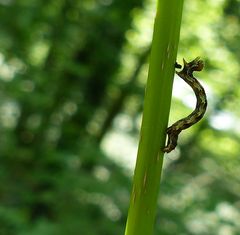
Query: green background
pixel 72 81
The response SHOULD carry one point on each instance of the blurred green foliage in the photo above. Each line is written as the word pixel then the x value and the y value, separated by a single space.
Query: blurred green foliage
pixel 57 58
pixel 71 74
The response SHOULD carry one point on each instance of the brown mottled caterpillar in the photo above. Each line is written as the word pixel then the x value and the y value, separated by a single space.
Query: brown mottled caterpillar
pixel 187 75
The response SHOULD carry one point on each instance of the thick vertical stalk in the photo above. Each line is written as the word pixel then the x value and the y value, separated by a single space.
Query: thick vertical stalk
pixel 157 101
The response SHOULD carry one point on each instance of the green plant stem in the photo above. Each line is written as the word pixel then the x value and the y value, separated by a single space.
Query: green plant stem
pixel 157 101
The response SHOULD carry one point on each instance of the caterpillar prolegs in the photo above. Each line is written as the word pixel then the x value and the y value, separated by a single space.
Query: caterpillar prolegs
pixel 187 75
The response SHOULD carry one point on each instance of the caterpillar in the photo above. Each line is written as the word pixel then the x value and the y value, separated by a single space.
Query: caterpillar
pixel 187 75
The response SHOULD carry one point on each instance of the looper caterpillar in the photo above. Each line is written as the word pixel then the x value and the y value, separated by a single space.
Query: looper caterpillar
pixel 187 75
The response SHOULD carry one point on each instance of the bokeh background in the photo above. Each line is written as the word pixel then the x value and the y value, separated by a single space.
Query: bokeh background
pixel 72 80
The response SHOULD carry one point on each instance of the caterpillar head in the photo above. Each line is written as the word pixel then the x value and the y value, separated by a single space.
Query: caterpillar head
pixel 195 65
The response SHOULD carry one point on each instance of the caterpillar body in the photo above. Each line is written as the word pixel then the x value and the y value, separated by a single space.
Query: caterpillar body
pixel 187 75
